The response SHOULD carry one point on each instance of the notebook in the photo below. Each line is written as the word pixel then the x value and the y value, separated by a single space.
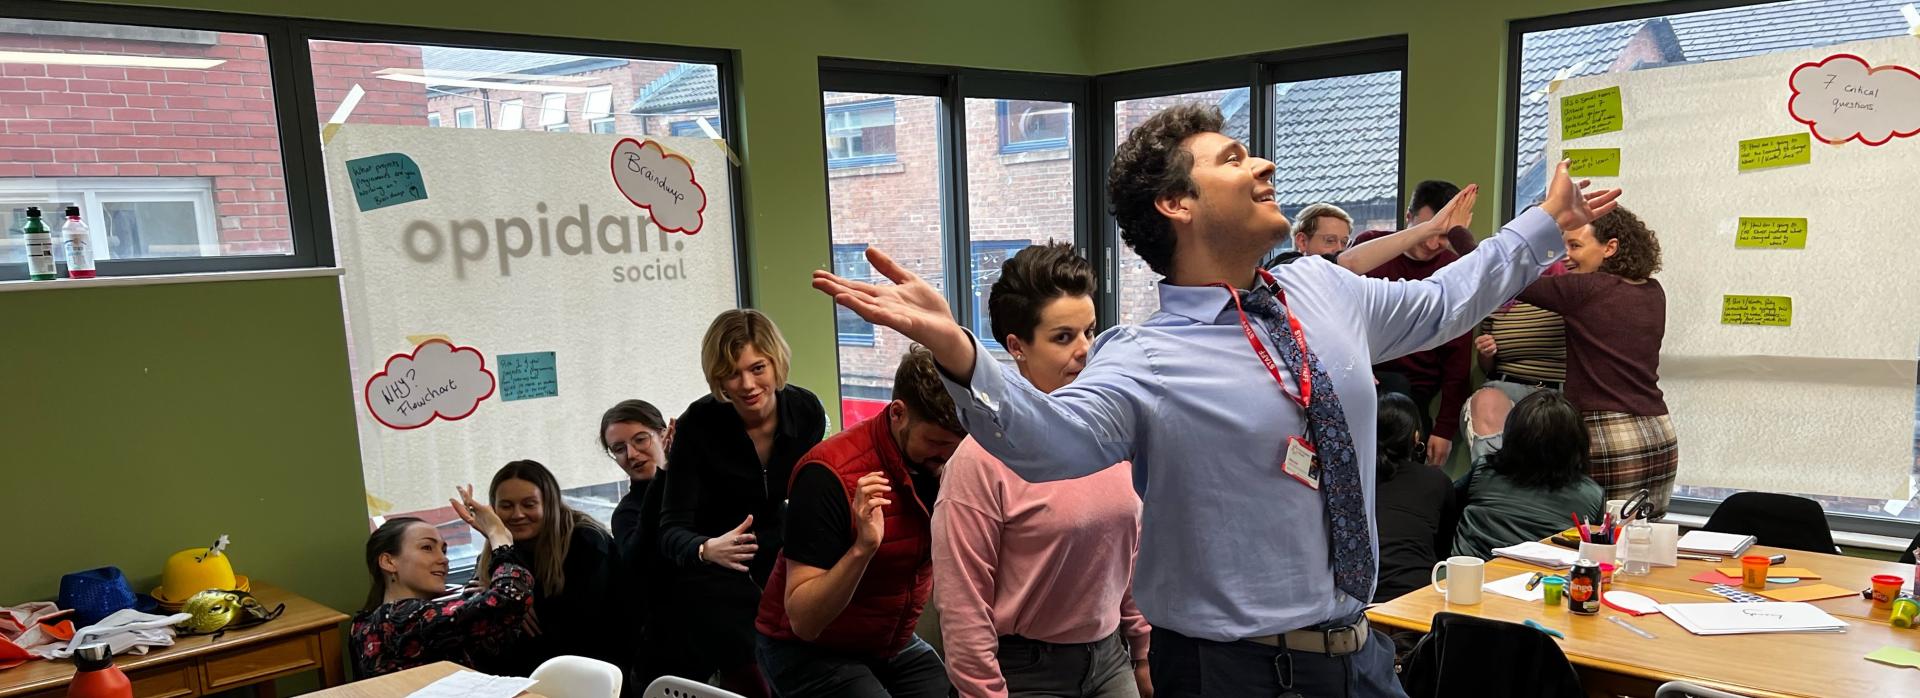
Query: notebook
pixel 1536 553
pixel 1708 543
pixel 1740 618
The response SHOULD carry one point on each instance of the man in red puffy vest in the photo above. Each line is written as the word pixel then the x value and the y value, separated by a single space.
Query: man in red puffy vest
pixel 838 614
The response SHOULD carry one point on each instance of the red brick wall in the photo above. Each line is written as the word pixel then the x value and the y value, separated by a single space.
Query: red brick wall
pixel 627 81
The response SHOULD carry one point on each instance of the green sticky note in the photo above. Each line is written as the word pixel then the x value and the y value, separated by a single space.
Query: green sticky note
pixel 1897 656
pixel 1773 233
pixel 1593 162
pixel 1771 311
pixel 385 180
pixel 1775 151
pixel 1590 113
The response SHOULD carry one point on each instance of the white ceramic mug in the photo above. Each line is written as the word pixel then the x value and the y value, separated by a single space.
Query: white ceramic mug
pixel 1615 506
pixel 1465 576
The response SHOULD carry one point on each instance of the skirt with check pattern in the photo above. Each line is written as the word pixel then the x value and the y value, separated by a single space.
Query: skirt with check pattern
pixel 1632 452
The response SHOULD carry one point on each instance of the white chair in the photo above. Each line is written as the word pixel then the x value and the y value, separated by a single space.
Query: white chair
pixel 676 687
pixel 1682 689
pixel 568 676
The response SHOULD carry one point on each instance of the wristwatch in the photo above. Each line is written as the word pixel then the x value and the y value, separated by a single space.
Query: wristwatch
pixel 700 553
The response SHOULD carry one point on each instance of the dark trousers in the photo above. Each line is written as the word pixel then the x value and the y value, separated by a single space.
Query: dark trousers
pixel 1035 669
pixel 1185 667
pixel 805 670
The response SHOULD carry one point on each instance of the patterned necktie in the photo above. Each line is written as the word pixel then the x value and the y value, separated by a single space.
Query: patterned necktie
pixel 1348 529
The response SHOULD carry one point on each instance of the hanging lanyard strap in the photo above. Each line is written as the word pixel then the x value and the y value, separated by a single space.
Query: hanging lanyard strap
pixel 1305 396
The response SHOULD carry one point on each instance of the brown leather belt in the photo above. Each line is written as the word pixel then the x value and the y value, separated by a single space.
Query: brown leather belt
pixel 1333 642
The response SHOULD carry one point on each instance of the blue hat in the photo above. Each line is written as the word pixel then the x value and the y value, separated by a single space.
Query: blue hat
pixel 95 594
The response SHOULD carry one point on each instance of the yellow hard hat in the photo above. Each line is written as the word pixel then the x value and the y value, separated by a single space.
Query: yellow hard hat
pixel 192 571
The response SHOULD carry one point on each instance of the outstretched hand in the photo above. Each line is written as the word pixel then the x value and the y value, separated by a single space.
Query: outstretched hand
pixel 1571 205
pixel 909 305
pixel 1459 210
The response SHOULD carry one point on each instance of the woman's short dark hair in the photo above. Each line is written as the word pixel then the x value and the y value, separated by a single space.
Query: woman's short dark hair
pixel 638 412
pixel 1545 446
pixel 385 540
pixel 1398 434
pixel 1639 255
pixel 1150 164
pixel 1030 280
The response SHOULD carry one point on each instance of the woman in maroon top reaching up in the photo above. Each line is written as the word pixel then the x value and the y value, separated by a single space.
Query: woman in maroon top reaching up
pixel 1616 316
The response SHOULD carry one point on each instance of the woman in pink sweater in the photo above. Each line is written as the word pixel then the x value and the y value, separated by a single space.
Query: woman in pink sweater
pixel 1033 581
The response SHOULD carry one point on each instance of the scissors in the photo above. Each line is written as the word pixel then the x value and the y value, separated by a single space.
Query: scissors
pixel 1637 506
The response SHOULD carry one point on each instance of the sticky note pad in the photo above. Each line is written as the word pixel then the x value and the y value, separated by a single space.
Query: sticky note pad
pixel 1800 572
pixel 1897 656
pixel 1593 162
pixel 1771 311
pixel 1810 592
pixel 528 376
pixel 1590 113
pixel 1775 151
pixel 1771 233
pixel 385 180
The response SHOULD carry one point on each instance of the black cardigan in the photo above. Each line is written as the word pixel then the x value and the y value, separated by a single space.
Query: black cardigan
pixel 577 620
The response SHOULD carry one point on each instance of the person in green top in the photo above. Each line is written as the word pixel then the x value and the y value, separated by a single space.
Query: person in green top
pixel 1527 489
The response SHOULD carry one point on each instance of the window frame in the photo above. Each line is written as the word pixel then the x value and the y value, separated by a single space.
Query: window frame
pixel 93 194
pixel 865 339
pixel 1001 114
pixel 982 324
pixel 1258 73
pixel 472 117
pixel 433 119
pixel 832 110
pixel 1904 530
pixel 519 111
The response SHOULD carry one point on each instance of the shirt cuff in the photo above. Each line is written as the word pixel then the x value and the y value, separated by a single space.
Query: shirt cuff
pixel 979 403
pixel 1541 234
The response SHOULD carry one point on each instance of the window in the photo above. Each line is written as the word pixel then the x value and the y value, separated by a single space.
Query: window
pixel 1559 48
pixel 464 118
pixel 1337 141
pixel 860 133
pixel 553 112
pixel 433 119
pixel 1136 287
pixel 684 128
pixel 1032 125
pixel 511 115
pixel 599 111
pixel 850 261
pixel 988 257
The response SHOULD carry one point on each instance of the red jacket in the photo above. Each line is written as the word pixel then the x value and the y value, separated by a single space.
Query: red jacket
pixel 879 620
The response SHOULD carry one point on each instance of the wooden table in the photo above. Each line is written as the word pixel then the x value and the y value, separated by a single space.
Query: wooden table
pixel 304 638
pixel 397 684
pixel 1615 662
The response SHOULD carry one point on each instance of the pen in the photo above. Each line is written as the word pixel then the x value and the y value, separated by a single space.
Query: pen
pixel 1622 622
pixel 1585 535
pixel 1534 581
pixel 1531 623
pixel 1778 559
pixel 1691 556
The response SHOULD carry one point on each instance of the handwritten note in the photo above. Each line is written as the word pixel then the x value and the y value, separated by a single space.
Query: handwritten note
pixel 1771 311
pixel 1775 151
pixel 385 180
pixel 662 183
pixel 1590 113
pixel 1593 162
pixel 436 381
pixel 528 376
pixel 1842 98
pixel 1771 233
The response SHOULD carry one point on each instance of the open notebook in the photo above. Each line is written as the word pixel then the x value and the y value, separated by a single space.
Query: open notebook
pixel 1709 543
pixel 1739 618
pixel 1536 553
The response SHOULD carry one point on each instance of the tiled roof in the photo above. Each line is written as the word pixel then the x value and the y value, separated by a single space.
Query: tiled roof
pixel 1337 139
pixel 1579 51
pixel 1749 31
pixel 688 86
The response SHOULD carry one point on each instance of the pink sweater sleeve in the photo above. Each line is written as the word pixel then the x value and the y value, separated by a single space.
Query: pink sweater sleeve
pixel 966 556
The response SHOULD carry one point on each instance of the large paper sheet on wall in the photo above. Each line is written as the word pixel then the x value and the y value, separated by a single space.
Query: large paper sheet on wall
pixel 519 250
pixel 1813 395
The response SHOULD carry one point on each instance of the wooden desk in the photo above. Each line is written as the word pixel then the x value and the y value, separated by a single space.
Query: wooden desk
pixel 397 684
pixel 304 638
pixel 1615 662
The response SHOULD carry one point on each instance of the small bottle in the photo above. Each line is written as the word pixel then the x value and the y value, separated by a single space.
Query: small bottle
pixel 40 265
pixel 1639 549
pixel 79 245
pixel 97 676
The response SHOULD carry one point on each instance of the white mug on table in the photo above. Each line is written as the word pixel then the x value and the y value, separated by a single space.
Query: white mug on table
pixel 1465 576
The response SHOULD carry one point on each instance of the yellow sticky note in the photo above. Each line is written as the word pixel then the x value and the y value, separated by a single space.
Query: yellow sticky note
pixel 1593 162
pixel 1810 592
pixel 1772 311
pixel 1775 151
pixel 419 339
pixel 1775 233
pixel 1897 656
pixel 1590 113
pixel 1800 572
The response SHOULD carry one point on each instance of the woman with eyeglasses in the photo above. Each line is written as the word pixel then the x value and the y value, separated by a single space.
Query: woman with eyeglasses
pixel 637 438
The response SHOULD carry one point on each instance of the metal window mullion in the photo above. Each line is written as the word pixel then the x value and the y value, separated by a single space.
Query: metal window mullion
pixel 953 201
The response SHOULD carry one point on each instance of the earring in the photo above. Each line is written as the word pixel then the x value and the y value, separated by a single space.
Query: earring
pixel 1019 357
pixel 391 578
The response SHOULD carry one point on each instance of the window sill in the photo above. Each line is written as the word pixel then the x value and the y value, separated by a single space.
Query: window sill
pixel 1016 157
pixel 160 279
pixel 863 170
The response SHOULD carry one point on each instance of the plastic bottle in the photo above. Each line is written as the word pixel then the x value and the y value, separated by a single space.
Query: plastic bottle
pixel 97 676
pixel 1639 549
pixel 40 265
pixel 78 243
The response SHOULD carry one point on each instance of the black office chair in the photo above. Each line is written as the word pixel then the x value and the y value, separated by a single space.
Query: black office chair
pixel 1467 655
pixel 1906 556
pixel 1777 520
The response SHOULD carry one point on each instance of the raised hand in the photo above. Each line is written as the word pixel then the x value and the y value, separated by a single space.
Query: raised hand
pixel 733 549
pixel 1571 206
pixel 1458 211
pixel 481 517
pixel 869 514
pixel 909 305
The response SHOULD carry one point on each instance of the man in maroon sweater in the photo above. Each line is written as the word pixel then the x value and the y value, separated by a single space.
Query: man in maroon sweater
pixel 1443 370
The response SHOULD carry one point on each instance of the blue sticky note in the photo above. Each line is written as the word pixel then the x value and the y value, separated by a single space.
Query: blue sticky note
pixel 385 180
pixel 528 376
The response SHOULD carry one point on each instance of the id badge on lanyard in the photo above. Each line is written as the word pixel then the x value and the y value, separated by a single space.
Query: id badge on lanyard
pixel 1300 462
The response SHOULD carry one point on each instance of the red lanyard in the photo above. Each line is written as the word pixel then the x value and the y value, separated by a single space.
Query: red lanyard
pixel 1299 338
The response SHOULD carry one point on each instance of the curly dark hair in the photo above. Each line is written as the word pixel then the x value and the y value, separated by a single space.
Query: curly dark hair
pixel 1639 255
pixel 1030 280
pixel 1148 165
pixel 917 383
